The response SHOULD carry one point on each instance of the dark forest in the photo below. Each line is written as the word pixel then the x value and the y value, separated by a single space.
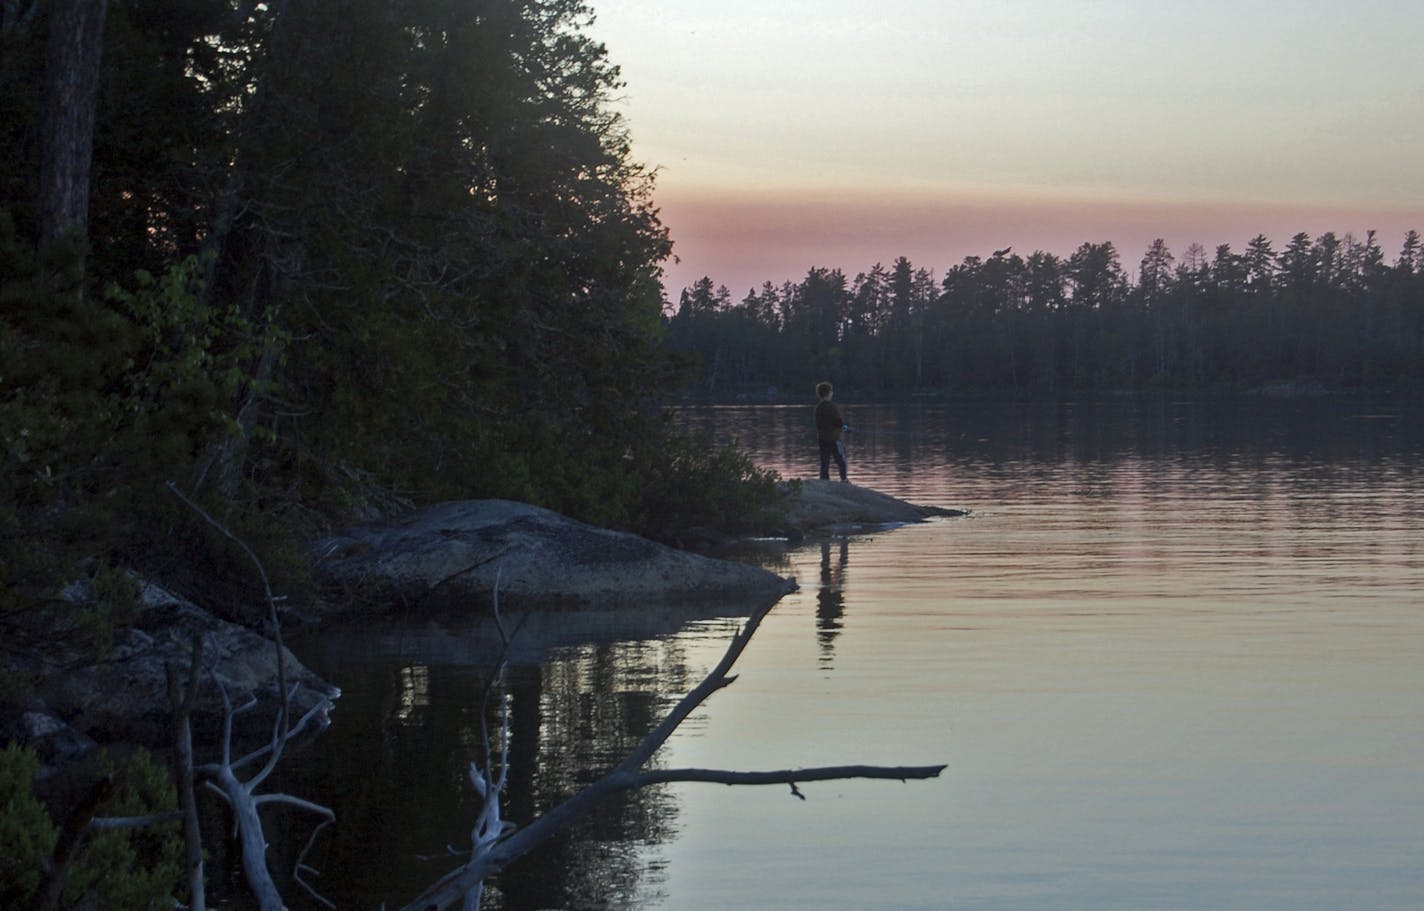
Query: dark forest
pixel 1329 313
pixel 312 262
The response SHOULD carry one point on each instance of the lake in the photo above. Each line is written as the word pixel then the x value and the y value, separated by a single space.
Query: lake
pixel 1173 659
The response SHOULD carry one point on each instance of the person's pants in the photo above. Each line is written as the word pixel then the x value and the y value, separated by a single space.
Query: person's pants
pixel 832 450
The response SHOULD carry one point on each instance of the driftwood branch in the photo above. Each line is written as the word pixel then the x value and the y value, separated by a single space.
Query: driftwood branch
pixel 221 776
pixel 244 802
pixel 490 825
pixel 302 869
pixel 272 747
pixel 109 823
pixel 456 886
pixel 183 701
pixel 789 776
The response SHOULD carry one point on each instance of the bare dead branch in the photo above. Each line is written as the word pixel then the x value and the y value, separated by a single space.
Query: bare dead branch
pixel 715 680
pixel 302 868
pixel 182 747
pixel 222 776
pixel 490 825
pixel 110 823
pixel 789 776
pixel 267 590
pixel 459 884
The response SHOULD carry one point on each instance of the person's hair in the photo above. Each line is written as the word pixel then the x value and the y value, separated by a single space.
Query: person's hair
pixel 823 389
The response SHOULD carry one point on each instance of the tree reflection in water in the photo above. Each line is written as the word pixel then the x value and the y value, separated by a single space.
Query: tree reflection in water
pixel 395 768
pixel 589 707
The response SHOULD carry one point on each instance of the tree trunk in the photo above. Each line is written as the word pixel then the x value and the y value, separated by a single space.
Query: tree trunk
pixel 182 734
pixel 71 95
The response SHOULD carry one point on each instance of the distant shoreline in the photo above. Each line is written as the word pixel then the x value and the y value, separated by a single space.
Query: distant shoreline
pixel 1285 389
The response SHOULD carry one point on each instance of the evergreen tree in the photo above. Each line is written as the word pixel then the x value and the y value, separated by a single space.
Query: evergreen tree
pixel 1228 321
pixel 435 272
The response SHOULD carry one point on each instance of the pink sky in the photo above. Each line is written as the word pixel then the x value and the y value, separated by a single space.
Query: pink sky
pixel 801 133
pixel 742 240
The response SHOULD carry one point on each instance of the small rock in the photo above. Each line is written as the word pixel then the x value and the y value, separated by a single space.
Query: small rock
pixel 835 505
pixel 54 742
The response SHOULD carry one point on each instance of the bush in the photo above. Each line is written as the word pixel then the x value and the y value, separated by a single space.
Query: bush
pixel 121 869
pixel 27 836
pixel 131 869
pixel 103 397
pixel 690 483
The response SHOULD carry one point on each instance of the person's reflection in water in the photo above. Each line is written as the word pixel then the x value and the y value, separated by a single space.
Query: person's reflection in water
pixel 830 602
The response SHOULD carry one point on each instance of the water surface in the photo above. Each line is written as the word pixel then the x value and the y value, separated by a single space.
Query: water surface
pixel 1172 659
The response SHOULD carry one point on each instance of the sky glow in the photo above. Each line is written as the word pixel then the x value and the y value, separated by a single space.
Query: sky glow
pixel 789 134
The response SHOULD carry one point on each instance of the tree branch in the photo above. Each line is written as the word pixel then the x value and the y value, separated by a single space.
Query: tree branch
pixel 788 776
pixel 182 747
pixel 99 823
pixel 267 590
pixel 457 885
pixel 222 776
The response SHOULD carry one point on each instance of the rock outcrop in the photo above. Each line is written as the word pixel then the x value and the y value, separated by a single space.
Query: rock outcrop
pixel 122 697
pixel 444 561
pixel 833 506
pixel 452 555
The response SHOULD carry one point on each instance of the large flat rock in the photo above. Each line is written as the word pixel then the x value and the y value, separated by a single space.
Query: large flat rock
pixel 452 556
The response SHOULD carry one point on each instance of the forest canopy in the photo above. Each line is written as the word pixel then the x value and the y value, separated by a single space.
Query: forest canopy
pixel 1325 313
pixel 333 256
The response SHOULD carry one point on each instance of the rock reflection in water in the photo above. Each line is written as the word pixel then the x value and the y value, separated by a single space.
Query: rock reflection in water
pixel 395 766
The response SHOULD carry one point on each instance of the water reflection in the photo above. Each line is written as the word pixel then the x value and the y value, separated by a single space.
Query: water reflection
pixel 396 766
pixel 1173 660
pixel 898 444
pixel 413 693
pixel 830 600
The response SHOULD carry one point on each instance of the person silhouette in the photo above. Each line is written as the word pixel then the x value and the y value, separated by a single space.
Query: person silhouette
pixel 830 424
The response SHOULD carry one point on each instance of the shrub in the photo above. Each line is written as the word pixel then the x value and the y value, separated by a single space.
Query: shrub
pixel 120 869
pixel 27 836
pixel 690 483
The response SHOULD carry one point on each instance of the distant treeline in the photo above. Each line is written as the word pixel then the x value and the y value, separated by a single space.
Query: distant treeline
pixel 1332 312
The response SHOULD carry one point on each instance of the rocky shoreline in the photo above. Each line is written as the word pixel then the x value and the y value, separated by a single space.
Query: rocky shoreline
pixel 835 507
pixel 447 561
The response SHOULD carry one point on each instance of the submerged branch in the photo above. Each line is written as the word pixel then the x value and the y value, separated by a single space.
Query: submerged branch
pixel 789 776
pixel 454 888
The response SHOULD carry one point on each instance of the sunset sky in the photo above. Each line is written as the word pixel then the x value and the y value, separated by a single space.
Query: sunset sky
pixel 796 133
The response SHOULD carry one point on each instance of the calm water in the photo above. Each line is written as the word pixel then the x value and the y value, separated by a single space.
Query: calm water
pixel 1173 660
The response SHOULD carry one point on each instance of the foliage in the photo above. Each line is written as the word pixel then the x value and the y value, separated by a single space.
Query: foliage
pixel 102 397
pixel 311 289
pixel 467 266
pixel 27 835
pixel 1327 312
pixel 113 602
pixel 131 869
pixel 690 483
pixel 121 869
